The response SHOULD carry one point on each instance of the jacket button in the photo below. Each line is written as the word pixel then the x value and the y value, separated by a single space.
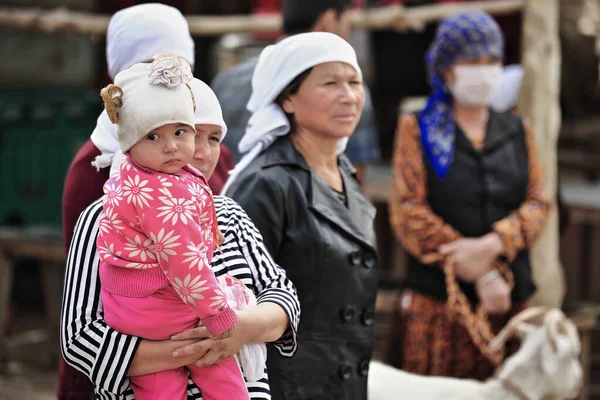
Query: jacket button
pixel 347 313
pixel 369 260
pixel 355 257
pixel 345 371
pixel 363 368
pixel 368 317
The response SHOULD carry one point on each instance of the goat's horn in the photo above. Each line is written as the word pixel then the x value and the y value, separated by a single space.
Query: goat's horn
pixel 509 329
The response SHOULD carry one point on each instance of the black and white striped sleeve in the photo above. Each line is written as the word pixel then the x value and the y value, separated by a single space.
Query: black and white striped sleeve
pixel 271 283
pixel 87 343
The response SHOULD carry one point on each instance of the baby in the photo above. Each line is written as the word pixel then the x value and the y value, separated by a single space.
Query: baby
pixel 158 229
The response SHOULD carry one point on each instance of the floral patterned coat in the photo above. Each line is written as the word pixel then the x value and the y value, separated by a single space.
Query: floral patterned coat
pixel 156 230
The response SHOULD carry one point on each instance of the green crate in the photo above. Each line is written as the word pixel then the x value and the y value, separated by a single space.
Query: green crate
pixel 40 131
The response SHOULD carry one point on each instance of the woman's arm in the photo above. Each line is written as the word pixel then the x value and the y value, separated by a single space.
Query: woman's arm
pixel 277 314
pixel 87 343
pixel 522 227
pixel 271 285
pixel 157 356
pixel 420 231
pixel 106 356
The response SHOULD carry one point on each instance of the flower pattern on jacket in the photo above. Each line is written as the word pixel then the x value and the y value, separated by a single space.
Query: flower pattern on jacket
pixel 145 250
pixel 135 191
pixel 175 210
pixel 190 289
pixel 156 220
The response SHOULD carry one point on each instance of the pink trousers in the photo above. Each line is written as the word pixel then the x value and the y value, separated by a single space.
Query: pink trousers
pixel 157 317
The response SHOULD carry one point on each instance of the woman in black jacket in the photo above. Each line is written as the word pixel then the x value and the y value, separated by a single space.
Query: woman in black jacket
pixel 302 194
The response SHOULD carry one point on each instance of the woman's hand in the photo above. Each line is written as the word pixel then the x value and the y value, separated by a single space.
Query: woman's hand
pixel 494 295
pixel 212 350
pixel 264 323
pixel 473 257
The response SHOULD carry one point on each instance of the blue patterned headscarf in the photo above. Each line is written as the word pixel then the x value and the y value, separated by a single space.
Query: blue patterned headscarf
pixel 466 35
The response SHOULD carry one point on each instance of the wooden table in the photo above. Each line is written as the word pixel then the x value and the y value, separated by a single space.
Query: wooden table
pixel 46 246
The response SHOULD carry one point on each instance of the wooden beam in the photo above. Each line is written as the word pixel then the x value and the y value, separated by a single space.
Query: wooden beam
pixel 416 18
pixel 396 17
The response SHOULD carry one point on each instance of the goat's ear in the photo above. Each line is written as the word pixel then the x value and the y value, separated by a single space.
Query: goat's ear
pixel 553 353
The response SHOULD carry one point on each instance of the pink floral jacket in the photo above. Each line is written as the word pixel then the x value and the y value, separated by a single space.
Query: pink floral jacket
pixel 158 229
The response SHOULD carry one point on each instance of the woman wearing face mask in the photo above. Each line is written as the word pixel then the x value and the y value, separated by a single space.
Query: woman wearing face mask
pixel 467 193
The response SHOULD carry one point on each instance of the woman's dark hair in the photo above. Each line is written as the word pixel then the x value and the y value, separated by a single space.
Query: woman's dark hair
pixel 300 16
pixel 291 89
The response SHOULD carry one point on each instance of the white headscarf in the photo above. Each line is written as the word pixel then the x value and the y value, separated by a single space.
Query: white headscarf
pixel 506 94
pixel 277 67
pixel 208 109
pixel 137 33
pixel 134 35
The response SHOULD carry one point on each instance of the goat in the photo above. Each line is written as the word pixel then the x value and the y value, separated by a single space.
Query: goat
pixel 545 367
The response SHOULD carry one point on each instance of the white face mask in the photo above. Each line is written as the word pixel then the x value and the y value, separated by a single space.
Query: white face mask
pixel 474 84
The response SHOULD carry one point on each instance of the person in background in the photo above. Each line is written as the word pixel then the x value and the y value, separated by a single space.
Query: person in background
pixel 301 191
pixel 505 99
pixel 109 359
pixel 233 87
pixel 467 203
pixel 134 35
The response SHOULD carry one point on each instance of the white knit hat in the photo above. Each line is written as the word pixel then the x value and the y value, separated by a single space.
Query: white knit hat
pixel 148 96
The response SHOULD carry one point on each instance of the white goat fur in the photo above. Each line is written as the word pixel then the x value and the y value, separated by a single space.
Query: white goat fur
pixel 545 367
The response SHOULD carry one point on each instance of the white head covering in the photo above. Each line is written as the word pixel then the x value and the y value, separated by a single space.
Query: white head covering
pixel 506 94
pixel 153 95
pixel 136 33
pixel 277 67
pixel 133 36
pixel 208 109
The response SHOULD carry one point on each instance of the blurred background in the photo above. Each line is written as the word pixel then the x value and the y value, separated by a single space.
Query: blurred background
pixel 49 102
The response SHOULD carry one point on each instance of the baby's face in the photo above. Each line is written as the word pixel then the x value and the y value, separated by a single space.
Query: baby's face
pixel 166 149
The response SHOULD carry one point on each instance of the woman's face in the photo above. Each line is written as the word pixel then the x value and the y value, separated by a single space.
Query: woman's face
pixel 207 148
pixel 450 76
pixel 329 102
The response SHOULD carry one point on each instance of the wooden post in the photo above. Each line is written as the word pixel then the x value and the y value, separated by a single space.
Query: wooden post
pixel 539 103
pixel 589 22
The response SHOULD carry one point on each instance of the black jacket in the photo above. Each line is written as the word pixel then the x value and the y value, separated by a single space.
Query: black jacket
pixel 481 188
pixel 328 251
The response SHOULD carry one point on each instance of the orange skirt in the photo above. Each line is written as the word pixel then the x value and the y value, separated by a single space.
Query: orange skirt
pixel 426 342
